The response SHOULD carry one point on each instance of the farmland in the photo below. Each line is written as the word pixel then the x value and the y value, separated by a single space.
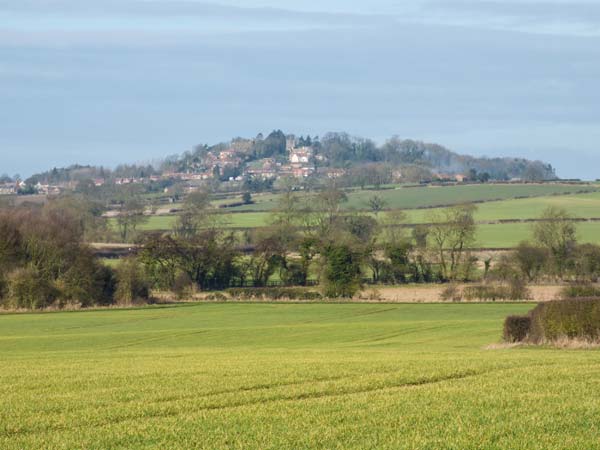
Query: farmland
pixel 510 234
pixel 490 235
pixel 289 376
pixel 432 196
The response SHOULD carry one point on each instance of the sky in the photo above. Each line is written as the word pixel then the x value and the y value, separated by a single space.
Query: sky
pixel 122 81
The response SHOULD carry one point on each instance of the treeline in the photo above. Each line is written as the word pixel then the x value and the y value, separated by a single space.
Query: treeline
pixel 311 241
pixel 307 243
pixel 45 262
pixel 76 174
pixel 317 242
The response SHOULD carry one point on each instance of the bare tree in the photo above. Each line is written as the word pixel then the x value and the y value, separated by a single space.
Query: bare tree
pixel 557 233
pixel 131 215
pixel 377 204
pixel 196 215
pixel 451 234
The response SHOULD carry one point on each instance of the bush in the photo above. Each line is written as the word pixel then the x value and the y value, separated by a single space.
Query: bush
pixel 132 285
pixel 87 283
pixel 182 286
pixel 216 297
pixel 516 290
pixel 572 319
pixel 341 272
pixel 516 328
pixel 274 294
pixel 451 292
pixel 486 292
pixel 27 288
pixel 3 288
pixel 580 291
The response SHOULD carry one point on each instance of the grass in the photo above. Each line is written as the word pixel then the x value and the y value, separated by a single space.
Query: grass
pixel 425 197
pixel 154 223
pixel 579 205
pixel 234 220
pixel 286 376
pixel 111 262
pixel 585 205
pixel 432 196
pixel 510 234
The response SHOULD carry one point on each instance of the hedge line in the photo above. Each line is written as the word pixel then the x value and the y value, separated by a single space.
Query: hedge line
pixel 571 319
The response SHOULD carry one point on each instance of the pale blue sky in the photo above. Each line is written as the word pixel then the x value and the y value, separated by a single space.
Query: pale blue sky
pixel 115 81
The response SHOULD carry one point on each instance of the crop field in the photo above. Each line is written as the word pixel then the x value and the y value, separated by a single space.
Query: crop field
pixel 425 197
pixel 153 223
pixel 584 205
pixel 289 376
pixel 579 205
pixel 509 235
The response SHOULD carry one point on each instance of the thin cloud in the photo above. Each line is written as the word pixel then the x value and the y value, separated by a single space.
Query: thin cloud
pixel 540 17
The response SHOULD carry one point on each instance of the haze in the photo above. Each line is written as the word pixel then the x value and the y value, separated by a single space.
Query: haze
pixel 124 81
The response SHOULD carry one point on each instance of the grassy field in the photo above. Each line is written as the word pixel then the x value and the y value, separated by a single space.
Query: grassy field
pixel 586 205
pixel 425 197
pixel 510 234
pixel 233 220
pixel 579 205
pixel 289 376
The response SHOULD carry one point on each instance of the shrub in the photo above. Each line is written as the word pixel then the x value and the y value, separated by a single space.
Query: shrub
pixel 132 284
pixel 515 290
pixel 274 294
pixel 27 288
pixel 3 288
pixel 87 282
pixel 572 319
pixel 451 292
pixel 216 297
pixel 486 292
pixel 516 328
pixel 580 291
pixel 341 272
pixel 294 274
pixel 182 286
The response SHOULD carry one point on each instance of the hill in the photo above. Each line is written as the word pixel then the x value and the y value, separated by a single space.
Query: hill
pixel 259 161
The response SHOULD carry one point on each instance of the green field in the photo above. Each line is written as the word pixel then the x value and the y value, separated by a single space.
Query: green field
pixel 239 220
pixel 511 234
pixel 431 196
pixel 582 205
pixel 579 205
pixel 289 376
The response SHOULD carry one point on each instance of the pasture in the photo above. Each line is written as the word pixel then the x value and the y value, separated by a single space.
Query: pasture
pixel 509 235
pixel 289 376
pixel 432 196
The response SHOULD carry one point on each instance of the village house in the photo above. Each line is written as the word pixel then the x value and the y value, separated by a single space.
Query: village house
pixel 47 189
pixel 303 172
pixel 229 158
pixel 301 155
pixel 263 168
pixel 8 188
pixel 333 173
